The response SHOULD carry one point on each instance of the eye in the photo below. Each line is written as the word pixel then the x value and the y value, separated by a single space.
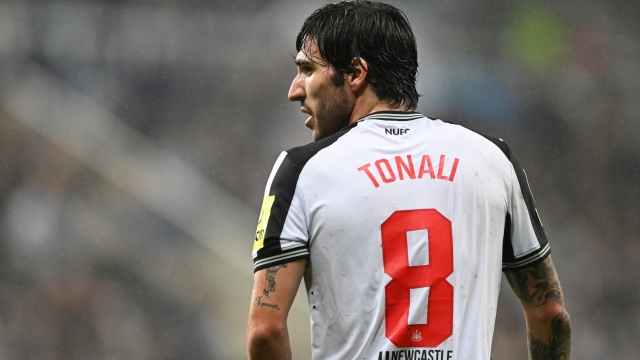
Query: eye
pixel 306 69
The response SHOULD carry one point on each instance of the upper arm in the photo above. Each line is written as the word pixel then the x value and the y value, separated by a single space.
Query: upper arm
pixel 525 241
pixel 280 247
pixel 536 285
pixel 281 235
pixel 274 290
pixel 530 271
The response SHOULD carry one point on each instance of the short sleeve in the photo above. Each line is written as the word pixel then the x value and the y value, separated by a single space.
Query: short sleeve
pixel 525 241
pixel 281 235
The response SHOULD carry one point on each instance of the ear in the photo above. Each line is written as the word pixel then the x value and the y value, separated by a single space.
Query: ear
pixel 358 79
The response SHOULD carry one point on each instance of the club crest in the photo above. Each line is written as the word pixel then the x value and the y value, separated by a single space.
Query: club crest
pixel 416 336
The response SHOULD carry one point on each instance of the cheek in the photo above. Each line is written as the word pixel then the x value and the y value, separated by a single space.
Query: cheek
pixel 318 85
pixel 311 87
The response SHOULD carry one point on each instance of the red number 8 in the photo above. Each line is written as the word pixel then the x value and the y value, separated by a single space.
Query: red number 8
pixel 395 255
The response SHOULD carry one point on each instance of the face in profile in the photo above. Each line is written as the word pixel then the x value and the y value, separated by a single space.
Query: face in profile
pixel 328 104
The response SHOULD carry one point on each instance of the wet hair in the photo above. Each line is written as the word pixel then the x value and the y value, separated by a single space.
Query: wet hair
pixel 378 33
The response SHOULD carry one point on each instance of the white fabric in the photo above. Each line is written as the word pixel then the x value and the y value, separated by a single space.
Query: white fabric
pixel 337 211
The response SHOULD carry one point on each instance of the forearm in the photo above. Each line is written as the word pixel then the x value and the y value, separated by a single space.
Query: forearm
pixel 549 339
pixel 548 323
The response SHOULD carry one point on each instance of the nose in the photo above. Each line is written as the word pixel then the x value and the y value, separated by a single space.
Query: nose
pixel 296 91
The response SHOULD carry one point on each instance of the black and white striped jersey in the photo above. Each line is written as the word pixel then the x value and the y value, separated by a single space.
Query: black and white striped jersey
pixel 406 222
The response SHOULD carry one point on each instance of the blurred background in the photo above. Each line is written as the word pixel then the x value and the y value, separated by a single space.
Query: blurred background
pixel 136 138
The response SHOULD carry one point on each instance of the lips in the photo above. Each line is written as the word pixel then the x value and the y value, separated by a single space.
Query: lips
pixel 311 120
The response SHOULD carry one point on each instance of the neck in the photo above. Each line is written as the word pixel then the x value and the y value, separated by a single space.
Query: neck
pixel 367 104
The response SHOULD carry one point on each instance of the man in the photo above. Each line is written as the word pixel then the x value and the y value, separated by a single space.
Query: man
pixel 399 224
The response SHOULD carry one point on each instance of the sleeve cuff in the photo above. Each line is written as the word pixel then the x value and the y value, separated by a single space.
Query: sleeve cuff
pixel 264 262
pixel 530 260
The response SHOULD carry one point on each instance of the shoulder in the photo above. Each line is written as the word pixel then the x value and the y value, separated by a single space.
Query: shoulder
pixel 468 137
pixel 299 156
pixel 286 171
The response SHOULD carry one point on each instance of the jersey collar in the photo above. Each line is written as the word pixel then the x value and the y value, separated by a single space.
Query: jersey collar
pixel 393 116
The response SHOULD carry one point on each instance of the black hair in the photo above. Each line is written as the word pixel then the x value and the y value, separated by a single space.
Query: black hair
pixel 378 33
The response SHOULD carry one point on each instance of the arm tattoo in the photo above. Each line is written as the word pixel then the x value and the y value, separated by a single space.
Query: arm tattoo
pixel 559 341
pixel 270 274
pixel 270 286
pixel 538 285
pixel 547 286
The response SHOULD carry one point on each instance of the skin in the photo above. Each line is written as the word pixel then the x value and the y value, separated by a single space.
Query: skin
pixel 274 290
pixel 331 107
pixel 548 323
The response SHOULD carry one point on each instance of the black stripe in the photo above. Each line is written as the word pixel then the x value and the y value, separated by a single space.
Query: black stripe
pixel 507 248
pixel 499 143
pixel 541 235
pixel 528 199
pixel 283 187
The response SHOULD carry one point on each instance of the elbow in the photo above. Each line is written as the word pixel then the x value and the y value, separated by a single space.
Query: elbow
pixel 552 312
pixel 550 330
pixel 562 323
pixel 552 315
pixel 265 339
pixel 264 334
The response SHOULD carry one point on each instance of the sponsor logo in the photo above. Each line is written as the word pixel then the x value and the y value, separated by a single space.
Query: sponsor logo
pixel 396 131
pixel 265 213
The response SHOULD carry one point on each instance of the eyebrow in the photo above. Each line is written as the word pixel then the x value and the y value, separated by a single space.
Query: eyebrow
pixel 303 62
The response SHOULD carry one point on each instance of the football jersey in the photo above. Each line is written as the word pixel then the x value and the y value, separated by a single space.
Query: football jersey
pixel 406 223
